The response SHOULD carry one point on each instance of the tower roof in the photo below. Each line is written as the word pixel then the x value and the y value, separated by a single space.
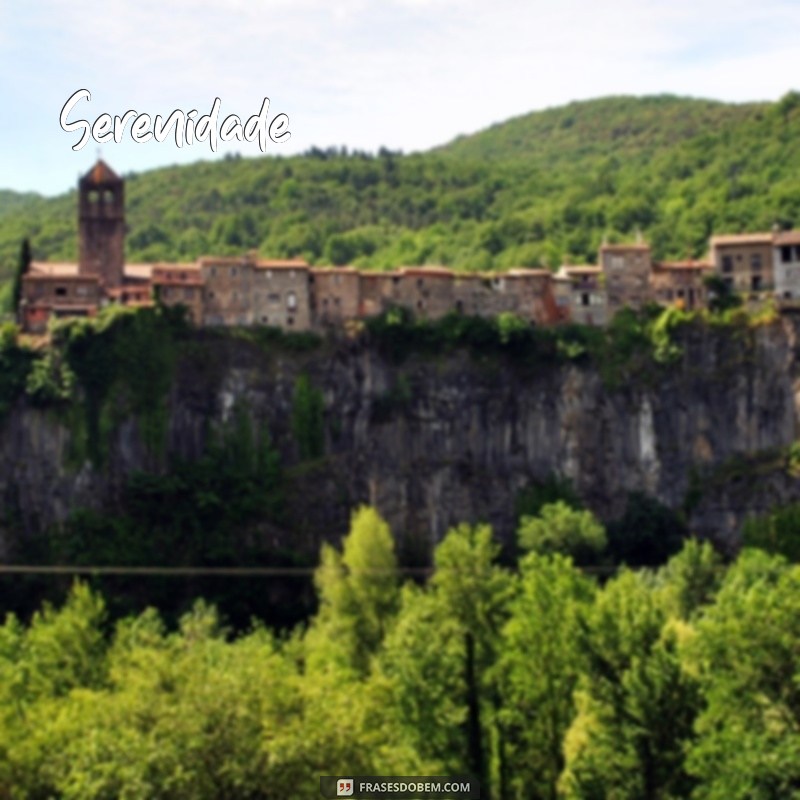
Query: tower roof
pixel 100 173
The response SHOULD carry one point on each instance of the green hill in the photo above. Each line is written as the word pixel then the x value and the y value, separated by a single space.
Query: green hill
pixel 537 189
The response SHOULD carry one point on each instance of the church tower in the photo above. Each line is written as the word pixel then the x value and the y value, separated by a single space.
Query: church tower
pixel 101 225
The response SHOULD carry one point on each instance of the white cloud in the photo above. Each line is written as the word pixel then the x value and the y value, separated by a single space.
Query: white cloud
pixel 405 73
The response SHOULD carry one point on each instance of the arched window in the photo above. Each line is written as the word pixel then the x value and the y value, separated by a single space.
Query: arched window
pixel 291 301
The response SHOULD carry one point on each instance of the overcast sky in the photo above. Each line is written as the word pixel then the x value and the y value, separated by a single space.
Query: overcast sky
pixel 405 74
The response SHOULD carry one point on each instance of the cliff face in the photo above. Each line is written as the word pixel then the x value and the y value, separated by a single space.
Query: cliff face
pixel 436 441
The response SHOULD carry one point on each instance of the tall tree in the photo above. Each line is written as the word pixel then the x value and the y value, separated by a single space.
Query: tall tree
pixel 23 265
pixel 539 666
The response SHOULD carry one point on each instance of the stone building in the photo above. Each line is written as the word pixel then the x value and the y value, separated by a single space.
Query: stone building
pixel 101 225
pixel 426 291
pixel 245 291
pixel 57 295
pixel 681 283
pixel 627 269
pixel 786 265
pixel 172 285
pixel 580 294
pixel 744 261
pixel 377 292
pixel 335 295
pixel 281 294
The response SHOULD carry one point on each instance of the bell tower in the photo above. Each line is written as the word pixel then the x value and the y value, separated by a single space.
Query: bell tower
pixel 101 225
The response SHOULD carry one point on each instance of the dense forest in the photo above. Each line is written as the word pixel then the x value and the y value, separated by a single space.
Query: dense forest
pixel 541 189
pixel 542 679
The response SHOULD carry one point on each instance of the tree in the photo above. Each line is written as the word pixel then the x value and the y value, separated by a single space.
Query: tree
pixel 358 594
pixel 307 418
pixel 539 664
pixel 745 653
pixel 474 591
pixel 559 528
pixel 636 704
pixel 23 265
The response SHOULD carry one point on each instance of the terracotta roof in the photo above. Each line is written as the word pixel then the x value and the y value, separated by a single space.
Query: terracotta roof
pixel 281 263
pixel 138 271
pixel 101 173
pixel 787 237
pixel 38 277
pixel 52 268
pixel 334 270
pixel 741 238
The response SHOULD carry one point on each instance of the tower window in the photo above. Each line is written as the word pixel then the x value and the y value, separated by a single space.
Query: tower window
pixel 94 196
pixel 108 196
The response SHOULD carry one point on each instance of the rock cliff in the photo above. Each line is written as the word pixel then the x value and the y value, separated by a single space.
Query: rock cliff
pixel 433 441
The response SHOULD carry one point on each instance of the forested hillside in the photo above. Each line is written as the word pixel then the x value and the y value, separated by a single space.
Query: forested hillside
pixel 536 190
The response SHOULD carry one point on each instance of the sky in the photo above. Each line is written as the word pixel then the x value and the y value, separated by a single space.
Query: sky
pixel 402 74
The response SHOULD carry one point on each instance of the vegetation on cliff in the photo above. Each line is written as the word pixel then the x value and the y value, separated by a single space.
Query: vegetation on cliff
pixel 541 680
pixel 536 190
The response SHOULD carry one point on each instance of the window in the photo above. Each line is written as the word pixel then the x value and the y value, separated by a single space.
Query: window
pixel 291 301
pixel 274 298
pixel 727 264
pixel 585 298
pixel 755 283
pixel 61 291
pixel 290 320
pixel 93 196
pixel 108 196
pixel 268 274
pixel 233 272
pixel 786 254
pixel 755 262
pixel 617 262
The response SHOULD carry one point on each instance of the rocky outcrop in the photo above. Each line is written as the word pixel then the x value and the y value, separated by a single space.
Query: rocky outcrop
pixel 435 441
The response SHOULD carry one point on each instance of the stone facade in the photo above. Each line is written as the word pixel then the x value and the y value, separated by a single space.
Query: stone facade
pixel 744 261
pixel 786 265
pixel 335 295
pixel 681 283
pixel 101 225
pixel 627 269
pixel 177 284
pixel 46 296
pixel 582 294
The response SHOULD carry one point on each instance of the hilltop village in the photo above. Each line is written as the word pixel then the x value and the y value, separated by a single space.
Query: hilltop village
pixel 292 295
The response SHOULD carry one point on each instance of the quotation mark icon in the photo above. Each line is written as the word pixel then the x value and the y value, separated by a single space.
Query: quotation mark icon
pixel 344 787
